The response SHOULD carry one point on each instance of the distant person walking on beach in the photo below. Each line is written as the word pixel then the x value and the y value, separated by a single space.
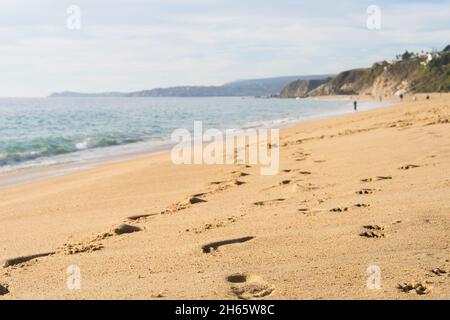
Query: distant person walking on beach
pixel 401 96
pixel 355 105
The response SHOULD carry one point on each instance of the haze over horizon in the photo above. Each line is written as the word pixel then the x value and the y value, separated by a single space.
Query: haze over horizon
pixel 133 45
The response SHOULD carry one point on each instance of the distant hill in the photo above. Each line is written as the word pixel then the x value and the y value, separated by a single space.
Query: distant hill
pixel 86 95
pixel 251 87
pixel 411 72
pixel 269 86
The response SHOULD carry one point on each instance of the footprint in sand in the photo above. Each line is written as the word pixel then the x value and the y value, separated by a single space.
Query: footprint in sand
pixel 372 231
pixel 297 170
pixel 213 246
pixel 182 205
pixel 339 209
pixel 268 202
pixel 284 182
pixel 141 216
pixel 117 231
pixel 308 212
pixel 408 166
pixel 301 153
pixel 81 248
pixel 300 156
pixel 3 289
pixel 195 199
pixel 214 225
pixel 438 271
pixel 74 248
pixel 362 205
pixel 377 178
pixel 124 229
pixel 93 244
pixel 418 287
pixel 175 207
pixel 239 174
pixel 19 260
pixel 366 191
pixel 221 185
pixel 248 287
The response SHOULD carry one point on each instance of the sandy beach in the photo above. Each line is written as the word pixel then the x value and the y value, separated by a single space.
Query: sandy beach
pixel 355 193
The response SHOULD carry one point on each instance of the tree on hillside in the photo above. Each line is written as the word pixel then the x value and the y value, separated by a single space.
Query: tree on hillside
pixel 406 56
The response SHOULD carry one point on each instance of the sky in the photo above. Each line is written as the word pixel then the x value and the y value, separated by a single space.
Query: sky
pixel 131 45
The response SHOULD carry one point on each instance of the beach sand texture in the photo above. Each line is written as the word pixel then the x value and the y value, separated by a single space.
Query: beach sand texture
pixel 355 191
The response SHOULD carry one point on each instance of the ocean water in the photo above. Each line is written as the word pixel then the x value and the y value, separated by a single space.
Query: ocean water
pixel 46 131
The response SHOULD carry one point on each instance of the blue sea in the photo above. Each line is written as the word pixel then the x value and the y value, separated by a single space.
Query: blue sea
pixel 45 131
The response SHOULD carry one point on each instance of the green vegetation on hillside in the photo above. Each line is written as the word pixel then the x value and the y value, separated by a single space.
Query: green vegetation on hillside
pixel 436 76
pixel 413 72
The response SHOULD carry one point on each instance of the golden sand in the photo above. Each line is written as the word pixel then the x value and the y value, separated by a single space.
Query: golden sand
pixel 363 192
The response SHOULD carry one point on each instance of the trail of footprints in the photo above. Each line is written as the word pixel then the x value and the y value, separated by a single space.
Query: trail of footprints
pixel 417 287
pixel 423 287
pixel 251 287
pixel 242 285
pixel 371 231
pixel 95 243
pixel 376 231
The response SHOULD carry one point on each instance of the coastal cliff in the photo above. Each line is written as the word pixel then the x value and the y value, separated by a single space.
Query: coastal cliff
pixel 300 88
pixel 410 72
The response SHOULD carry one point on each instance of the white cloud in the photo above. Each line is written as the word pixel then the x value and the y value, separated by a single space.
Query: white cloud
pixel 133 45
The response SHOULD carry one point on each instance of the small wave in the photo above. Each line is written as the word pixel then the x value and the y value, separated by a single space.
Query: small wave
pixel 86 144
pixel 270 123
pixel 20 152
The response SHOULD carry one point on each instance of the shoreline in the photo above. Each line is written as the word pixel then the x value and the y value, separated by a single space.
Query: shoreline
pixel 40 172
pixel 354 191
